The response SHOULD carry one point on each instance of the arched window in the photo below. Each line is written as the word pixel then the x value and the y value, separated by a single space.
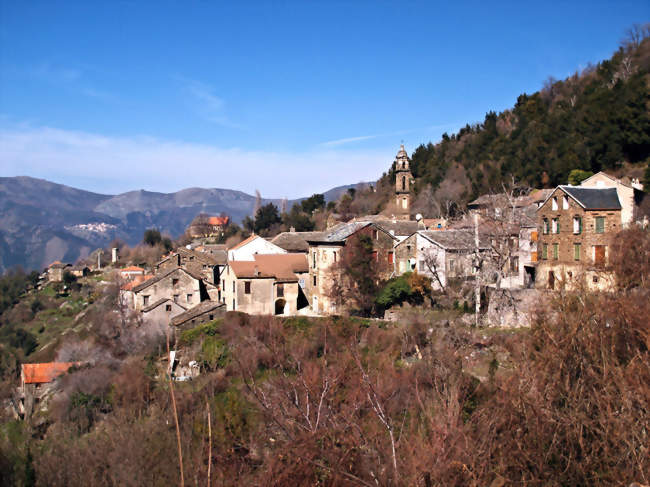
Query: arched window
pixel 403 182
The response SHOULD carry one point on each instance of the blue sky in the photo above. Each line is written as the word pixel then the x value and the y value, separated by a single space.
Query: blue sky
pixel 289 98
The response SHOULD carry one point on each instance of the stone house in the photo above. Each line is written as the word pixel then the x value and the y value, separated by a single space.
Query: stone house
pixel 201 313
pixel 206 265
pixel 56 270
pixel 179 284
pixel 80 271
pixel 443 256
pixel 35 381
pixel 576 225
pixel 253 245
pixel 269 284
pixel 325 252
pixel 162 311
pixel 630 195
pixel 208 226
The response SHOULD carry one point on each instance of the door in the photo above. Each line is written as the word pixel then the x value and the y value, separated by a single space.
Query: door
pixel 599 254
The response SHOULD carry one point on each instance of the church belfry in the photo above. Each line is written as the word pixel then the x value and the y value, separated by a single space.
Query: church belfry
pixel 403 179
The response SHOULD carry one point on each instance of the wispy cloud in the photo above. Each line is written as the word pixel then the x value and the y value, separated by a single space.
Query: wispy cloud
pixel 69 78
pixel 351 140
pixel 116 164
pixel 207 103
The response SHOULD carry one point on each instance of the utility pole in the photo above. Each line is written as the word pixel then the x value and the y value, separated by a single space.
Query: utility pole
pixel 477 281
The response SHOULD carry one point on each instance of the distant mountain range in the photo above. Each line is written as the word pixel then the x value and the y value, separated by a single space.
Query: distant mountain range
pixel 41 221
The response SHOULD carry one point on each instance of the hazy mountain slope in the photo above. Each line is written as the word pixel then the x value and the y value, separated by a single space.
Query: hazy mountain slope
pixel 41 221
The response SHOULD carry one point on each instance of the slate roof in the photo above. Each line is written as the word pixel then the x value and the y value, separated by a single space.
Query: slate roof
pixel 159 277
pixel 282 267
pixel 453 239
pixel 158 303
pixel 199 309
pixel 339 233
pixel 400 228
pixel 594 198
pixel 295 241
pixel 47 372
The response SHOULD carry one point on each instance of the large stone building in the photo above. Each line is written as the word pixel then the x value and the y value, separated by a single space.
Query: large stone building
pixel 179 284
pixel 325 251
pixel 403 179
pixel 268 284
pixel 576 225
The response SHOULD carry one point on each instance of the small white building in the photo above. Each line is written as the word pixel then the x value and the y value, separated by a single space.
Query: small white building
pixel 253 245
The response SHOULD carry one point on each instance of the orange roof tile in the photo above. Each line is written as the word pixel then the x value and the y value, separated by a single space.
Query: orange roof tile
pixel 42 373
pixel 278 266
pixel 218 220
pixel 132 268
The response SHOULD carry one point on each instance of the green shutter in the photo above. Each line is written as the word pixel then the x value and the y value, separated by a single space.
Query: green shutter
pixel 558 225
pixel 600 224
pixel 579 224
pixel 576 251
pixel 545 251
pixel 556 251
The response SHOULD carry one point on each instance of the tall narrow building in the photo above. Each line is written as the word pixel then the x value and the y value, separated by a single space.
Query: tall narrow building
pixel 403 179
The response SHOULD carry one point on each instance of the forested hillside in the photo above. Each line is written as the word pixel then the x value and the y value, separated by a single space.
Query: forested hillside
pixel 597 119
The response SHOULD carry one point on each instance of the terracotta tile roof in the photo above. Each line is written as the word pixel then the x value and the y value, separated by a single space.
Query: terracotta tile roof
pixel 218 220
pixel 47 372
pixel 132 268
pixel 282 267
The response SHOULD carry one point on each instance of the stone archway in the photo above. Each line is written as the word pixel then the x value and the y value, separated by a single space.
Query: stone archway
pixel 279 306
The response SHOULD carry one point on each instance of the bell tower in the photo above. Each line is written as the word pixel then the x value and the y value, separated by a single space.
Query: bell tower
pixel 403 179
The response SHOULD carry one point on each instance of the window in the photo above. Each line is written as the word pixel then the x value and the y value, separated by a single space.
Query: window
pixel 280 290
pixel 556 251
pixel 314 281
pixel 189 298
pixel 176 296
pixel 233 304
pixel 576 251
pixel 145 300
pixel 600 224
pixel 375 255
pixel 545 226
pixel 334 255
pixel 422 266
pixel 313 255
pixel 174 282
pixel 390 257
pixel 595 279
pixel 554 203
pixel 514 264
pixel 168 307
pixel 223 284
pixel 577 225
pixel 565 203
pixel 247 287
pixel 555 225
pixel 545 251
pixel 375 234
pixel 233 286
pixel 211 317
pixel 191 257
pixel 451 266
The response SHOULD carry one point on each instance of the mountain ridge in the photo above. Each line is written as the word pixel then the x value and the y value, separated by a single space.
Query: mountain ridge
pixel 42 221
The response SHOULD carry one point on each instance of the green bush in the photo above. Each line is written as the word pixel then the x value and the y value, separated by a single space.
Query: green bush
pixel 210 328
